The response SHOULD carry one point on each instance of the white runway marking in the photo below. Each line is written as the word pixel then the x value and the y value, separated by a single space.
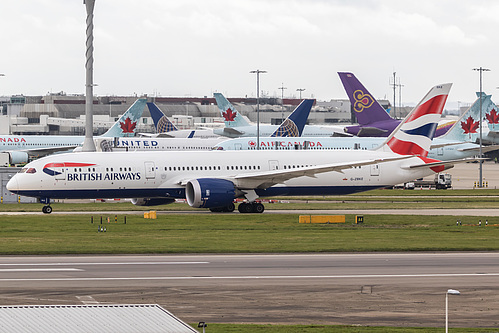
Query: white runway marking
pixel 87 300
pixel 4 270
pixel 281 277
pixel 113 263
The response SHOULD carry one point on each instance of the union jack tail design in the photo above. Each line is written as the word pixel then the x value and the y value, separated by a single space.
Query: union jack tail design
pixel 413 136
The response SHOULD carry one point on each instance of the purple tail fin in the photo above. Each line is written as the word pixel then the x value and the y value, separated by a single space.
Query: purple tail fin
pixel 367 109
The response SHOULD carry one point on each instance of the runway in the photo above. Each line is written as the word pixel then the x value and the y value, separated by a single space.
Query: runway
pixel 352 289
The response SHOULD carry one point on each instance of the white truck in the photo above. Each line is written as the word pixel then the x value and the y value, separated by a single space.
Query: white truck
pixel 442 181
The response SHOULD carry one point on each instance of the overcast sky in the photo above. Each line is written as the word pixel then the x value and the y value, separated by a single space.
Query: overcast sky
pixel 197 47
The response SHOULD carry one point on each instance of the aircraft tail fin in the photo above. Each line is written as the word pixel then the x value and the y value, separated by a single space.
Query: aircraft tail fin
pixel 294 124
pixel 127 124
pixel 367 109
pixel 467 127
pixel 413 136
pixel 232 117
pixel 161 121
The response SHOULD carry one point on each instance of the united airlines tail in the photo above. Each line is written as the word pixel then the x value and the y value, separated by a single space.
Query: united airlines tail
pixel 294 124
pixel 367 109
pixel 414 135
pixel 161 122
pixel 232 118
pixel 127 124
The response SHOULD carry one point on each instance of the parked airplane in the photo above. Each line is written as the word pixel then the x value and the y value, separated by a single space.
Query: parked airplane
pixel 21 147
pixel 457 143
pixel 469 124
pixel 165 128
pixel 237 126
pixel 156 144
pixel 214 179
pixel 373 119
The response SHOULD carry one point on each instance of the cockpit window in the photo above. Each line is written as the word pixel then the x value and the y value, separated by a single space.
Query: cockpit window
pixel 31 170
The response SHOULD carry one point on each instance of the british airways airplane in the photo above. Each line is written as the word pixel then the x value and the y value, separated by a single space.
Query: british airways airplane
pixel 213 179
pixel 21 147
pixel 459 142
pixel 295 125
pixel 373 120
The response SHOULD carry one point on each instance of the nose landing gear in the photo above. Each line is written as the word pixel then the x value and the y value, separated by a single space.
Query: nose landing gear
pixel 47 209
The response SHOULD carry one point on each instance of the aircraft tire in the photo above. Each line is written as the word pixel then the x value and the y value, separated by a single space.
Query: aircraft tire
pixel 245 208
pixel 47 209
pixel 258 207
pixel 217 209
pixel 229 208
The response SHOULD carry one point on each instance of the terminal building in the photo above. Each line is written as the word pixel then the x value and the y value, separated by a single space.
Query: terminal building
pixel 64 114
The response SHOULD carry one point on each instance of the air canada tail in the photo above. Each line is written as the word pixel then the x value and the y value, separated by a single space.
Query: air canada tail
pixel 413 136
pixel 367 109
pixel 127 124
pixel 294 124
pixel 161 122
pixel 232 118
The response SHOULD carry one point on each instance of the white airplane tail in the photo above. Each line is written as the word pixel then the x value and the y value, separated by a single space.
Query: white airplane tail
pixel 127 124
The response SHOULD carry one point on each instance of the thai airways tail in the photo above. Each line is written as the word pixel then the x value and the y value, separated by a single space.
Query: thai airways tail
pixel 127 124
pixel 232 117
pixel 414 134
pixel 467 127
pixel 294 124
pixel 161 121
pixel 367 109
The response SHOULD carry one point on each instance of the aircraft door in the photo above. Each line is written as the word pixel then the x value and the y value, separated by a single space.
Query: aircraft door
pixel 375 170
pixel 61 173
pixel 440 151
pixel 150 170
pixel 273 165
pixel 238 146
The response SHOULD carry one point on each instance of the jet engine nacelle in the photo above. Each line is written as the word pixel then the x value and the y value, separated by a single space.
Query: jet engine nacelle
pixel 17 157
pixel 152 201
pixel 209 193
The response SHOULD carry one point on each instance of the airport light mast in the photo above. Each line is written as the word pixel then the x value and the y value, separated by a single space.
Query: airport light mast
pixel 257 72
pixel 300 90
pixel 282 87
pixel 480 184
pixel 88 144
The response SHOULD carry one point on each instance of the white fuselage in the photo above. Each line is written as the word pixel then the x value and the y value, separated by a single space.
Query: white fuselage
pixel 448 150
pixel 164 174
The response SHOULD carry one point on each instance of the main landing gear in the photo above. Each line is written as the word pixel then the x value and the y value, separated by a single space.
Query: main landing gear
pixel 251 207
pixel 47 209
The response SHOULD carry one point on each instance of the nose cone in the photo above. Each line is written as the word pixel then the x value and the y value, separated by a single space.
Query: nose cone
pixel 12 185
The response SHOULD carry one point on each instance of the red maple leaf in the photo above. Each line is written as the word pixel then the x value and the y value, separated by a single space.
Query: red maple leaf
pixel 128 126
pixel 492 117
pixel 229 115
pixel 470 126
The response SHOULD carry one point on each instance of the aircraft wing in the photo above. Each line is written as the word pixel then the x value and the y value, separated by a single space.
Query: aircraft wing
pixel 446 164
pixel 38 152
pixel 484 149
pixel 493 134
pixel 441 145
pixel 371 131
pixel 262 180
pixel 232 131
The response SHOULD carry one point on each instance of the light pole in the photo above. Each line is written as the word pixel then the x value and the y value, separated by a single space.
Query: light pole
pixel 88 143
pixel 480 121
pixel 300 90
pixel 449 292
pixel 282 87
pixel 257 72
